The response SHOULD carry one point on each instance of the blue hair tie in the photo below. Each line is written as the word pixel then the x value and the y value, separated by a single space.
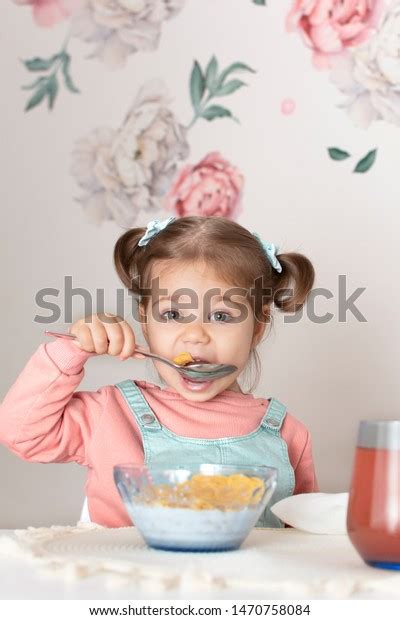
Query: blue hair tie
pixel 270 250
pixel 153 228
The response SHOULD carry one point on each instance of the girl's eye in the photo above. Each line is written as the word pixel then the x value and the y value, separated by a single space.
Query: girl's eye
pixel 221 317
pixel 223 314
pixel 170 312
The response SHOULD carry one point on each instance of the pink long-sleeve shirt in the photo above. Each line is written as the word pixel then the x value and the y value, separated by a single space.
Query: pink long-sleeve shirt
pixel 43 419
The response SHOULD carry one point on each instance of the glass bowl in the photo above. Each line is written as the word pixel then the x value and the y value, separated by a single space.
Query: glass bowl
pixel 203 507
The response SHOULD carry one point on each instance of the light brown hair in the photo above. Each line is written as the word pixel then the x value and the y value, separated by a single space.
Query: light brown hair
pixel 235 255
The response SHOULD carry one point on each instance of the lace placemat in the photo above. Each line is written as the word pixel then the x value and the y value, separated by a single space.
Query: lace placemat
pixel 273 561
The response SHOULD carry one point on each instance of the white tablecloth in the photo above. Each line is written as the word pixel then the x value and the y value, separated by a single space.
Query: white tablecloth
pixel 91 562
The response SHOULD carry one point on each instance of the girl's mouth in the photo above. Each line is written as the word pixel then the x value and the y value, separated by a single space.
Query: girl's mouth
pixel 195 386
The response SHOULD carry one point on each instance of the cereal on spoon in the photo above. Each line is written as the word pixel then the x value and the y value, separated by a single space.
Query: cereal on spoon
pixel 183 359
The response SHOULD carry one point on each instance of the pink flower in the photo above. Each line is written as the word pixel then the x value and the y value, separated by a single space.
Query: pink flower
pixel 288 106
pixel 49 12
pixel 330 26
pixel 212 188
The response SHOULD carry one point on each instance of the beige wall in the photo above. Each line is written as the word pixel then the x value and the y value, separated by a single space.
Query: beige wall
pixel 329 375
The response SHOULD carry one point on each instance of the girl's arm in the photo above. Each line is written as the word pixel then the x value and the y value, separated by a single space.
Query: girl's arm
pixel 306 479
pixel 298 440
pixel 299 445
pixel 42 418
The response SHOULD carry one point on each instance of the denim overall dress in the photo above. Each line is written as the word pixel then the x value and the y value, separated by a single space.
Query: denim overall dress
pixel 264 446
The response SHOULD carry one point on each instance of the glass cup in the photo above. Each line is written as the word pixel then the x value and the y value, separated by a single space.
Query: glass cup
pixel 373 515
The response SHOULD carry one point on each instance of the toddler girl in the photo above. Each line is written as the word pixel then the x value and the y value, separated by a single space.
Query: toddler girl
pixel 205 286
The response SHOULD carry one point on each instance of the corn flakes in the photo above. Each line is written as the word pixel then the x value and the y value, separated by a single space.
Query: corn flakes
pixel 183 358
pixel 203 492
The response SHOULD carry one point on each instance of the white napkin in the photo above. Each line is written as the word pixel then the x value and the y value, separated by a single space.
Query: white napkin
pixel 318 513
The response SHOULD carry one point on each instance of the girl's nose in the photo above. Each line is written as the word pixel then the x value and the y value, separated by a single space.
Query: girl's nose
pixel 195 332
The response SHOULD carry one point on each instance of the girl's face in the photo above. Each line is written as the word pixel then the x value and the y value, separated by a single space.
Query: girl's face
pixel 187 313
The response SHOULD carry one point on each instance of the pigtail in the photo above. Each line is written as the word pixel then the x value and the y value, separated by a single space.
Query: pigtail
pixel 126 257
pixel 292 286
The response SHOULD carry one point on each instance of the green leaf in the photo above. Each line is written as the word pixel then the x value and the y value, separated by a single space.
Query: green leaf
pixel 236 66
pixel 67 77
pixel 37 97
pixel 197 85
pixel 366 162
pixel 337 154
pixel 260 2
pixel 34 84
pixel 52 90
pixel 40 64
pixel 229 87
pixel 215 111
pixel 211 74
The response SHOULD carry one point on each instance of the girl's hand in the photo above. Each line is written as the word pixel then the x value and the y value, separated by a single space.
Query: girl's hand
pixel 105 333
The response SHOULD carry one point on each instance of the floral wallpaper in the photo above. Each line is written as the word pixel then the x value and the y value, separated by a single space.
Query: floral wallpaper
pixel 130 169
pixel 113 29
pixel 144 165
pixel 358 43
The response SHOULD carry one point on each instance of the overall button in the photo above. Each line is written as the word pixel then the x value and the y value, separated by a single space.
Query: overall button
pixel 273 423
pixel 147 418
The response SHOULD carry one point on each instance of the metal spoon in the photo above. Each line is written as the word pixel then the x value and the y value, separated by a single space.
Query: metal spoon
pixel 195 372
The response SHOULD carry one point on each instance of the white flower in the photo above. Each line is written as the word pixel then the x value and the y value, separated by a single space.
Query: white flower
pixel 118 28
pixel 126 171
pixel 370 75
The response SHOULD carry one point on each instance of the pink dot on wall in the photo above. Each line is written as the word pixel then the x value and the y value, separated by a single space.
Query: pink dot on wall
pixel 288 106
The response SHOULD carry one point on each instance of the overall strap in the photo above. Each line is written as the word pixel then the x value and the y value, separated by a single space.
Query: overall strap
pixel 144 415
pixel 274 416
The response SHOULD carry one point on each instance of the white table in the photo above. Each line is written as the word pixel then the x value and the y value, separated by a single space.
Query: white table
pixel 271 564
